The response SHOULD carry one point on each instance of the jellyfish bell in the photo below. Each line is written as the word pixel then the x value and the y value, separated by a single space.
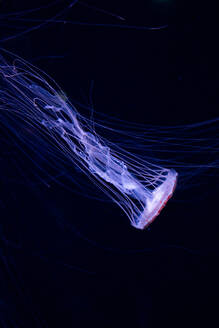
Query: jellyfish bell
pixel 157 201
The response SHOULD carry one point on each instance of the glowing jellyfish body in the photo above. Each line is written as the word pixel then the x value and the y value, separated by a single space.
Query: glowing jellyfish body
pixel 146 199
pixel 140 188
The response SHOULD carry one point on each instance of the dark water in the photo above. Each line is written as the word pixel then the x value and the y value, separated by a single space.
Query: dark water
pixel 69 261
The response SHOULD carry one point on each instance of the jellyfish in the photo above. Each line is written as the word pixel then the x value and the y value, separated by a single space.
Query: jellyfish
pixel 31 103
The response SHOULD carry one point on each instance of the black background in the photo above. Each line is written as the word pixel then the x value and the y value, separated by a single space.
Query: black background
pixel 69 261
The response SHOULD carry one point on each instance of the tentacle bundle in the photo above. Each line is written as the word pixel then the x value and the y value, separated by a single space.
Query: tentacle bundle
pixel 140 188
